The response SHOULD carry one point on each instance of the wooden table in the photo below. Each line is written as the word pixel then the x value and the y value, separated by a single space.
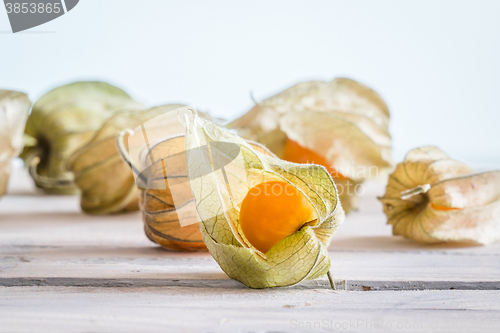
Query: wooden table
pixel 63 271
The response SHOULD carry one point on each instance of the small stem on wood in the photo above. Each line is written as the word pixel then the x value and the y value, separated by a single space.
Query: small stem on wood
pixel 332 284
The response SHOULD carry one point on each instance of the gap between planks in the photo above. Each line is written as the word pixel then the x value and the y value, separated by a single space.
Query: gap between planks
pixel 350 285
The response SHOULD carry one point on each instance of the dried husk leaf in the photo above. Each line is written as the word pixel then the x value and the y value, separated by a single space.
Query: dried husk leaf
pixel 63 120
pixel 14 109
pixel 431 198
pixel 159 213
pixel 302 255
pixel 343 121
pixel 106 182
pixel 160 217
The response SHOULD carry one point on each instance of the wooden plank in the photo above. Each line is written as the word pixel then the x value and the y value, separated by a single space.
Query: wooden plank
pixel 48 236
pixel 180 309
pixel 29 218
pixel 61 270
pixel 341 285
pixel 152 262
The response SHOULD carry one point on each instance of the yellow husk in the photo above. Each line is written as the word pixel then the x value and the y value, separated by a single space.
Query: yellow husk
pixel 105 180
pixel 431 198
pixel 14 109
pixel 300 256
pixel 63 120
pixel 160 216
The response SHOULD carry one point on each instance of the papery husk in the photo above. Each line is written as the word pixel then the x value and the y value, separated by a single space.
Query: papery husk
pixel 106 181
pixel 343 121
pixel 63 120
pixel 300 256
pixel 159 213
pixel 160 217
pixel 14 109
pixel 431 198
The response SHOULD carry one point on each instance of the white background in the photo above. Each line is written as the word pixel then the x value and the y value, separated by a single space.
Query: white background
pixel 436 63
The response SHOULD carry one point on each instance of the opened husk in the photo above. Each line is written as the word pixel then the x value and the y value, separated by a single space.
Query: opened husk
pixel 14 109
pixel 431 198
pixel 63 120
pixel 342 125
pixel 303 254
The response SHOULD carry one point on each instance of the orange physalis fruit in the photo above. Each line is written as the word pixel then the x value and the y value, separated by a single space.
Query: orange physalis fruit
pixel 272 211
pixel 341 125
pixel 267 222
pixel 439 207
pixel 296 153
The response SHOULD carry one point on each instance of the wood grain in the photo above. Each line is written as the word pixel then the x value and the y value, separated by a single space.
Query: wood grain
pixel 63 271
pixel 180 309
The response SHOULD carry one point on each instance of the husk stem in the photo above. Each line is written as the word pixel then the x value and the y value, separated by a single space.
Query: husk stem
pixel 124 153
pixel 32 160
pixel 405 195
